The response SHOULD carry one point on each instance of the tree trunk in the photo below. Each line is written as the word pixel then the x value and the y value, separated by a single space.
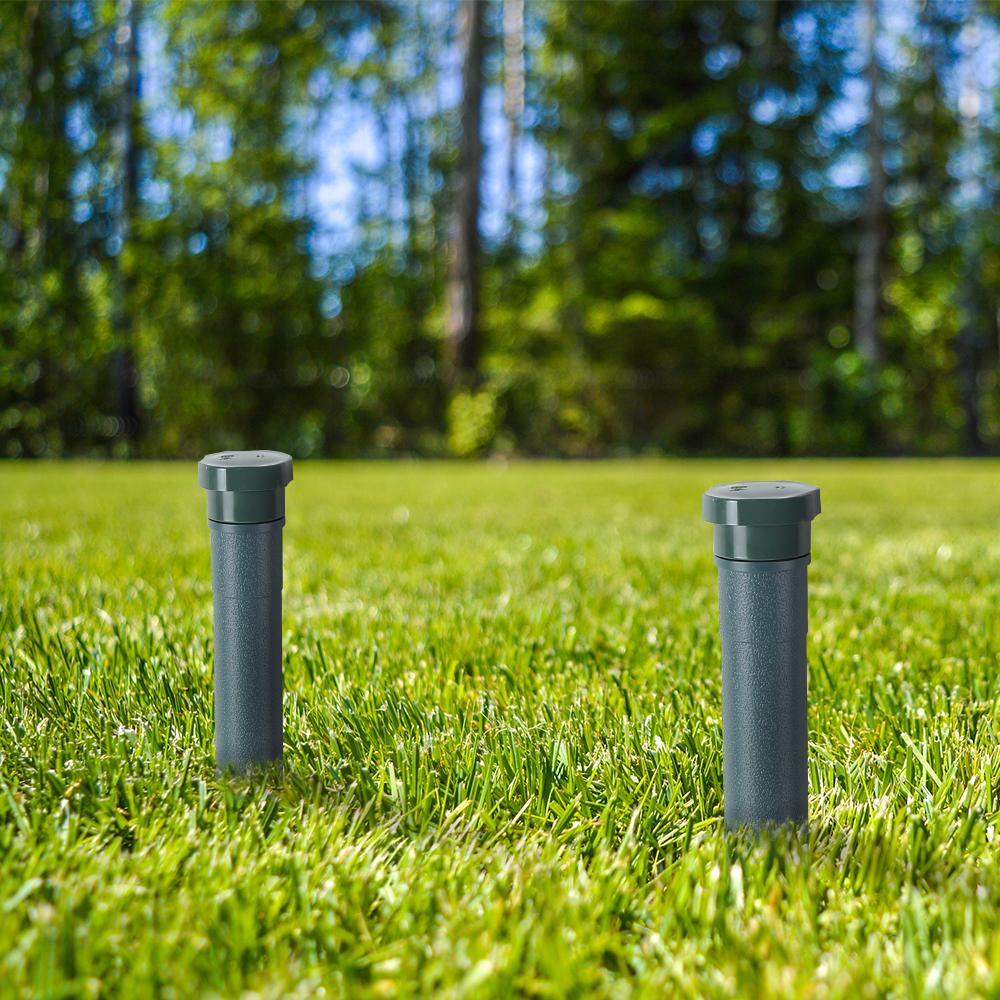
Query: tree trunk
pixel 513 103
pixel 124 362
pixel 463 342
pixel 871 244
pixel 32 123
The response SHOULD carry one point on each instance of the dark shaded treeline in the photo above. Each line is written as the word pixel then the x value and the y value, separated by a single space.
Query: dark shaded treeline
pixel 764 228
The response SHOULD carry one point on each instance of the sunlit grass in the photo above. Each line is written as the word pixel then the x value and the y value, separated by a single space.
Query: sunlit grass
pixel 503 741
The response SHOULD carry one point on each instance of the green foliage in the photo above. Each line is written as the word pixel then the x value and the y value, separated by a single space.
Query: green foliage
pixel 503 742
pixel 52 342
pixel 240 299
pixel 472 422
pixel 683 281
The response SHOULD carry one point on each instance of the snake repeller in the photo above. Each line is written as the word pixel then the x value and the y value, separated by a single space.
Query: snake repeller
pixel 246 514
pixel 762 551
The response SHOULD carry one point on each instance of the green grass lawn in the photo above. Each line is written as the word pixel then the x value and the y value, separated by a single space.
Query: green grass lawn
pixel 503 770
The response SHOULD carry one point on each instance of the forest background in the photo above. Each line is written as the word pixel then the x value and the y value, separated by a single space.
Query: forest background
pixel 459 228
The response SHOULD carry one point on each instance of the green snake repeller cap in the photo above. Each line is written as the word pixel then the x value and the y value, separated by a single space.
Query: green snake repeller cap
pixel 245 487
pixel 761 521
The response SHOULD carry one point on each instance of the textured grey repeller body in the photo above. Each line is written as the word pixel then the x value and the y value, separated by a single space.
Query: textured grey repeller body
pixel 763 618
pixel 246 585
pixel 245 500
pixel 762 541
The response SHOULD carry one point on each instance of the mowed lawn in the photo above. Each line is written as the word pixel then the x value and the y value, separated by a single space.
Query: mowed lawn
pixel 503 770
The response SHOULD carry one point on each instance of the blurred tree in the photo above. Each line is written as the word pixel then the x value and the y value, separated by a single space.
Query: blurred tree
pixel 390 320
pixel 919 406
pixel 463 343
pixel 870 268
pixel 686 235
pixel 968 340
pixel 244 348
pixel 700 261
pixel 123 306
pixel 49 334
pixel 513 106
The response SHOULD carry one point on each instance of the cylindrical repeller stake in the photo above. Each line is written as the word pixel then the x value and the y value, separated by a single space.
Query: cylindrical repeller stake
pixel 246 513
pixel 762 550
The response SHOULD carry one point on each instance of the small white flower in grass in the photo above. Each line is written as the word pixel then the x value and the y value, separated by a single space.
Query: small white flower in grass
pixel 944 552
